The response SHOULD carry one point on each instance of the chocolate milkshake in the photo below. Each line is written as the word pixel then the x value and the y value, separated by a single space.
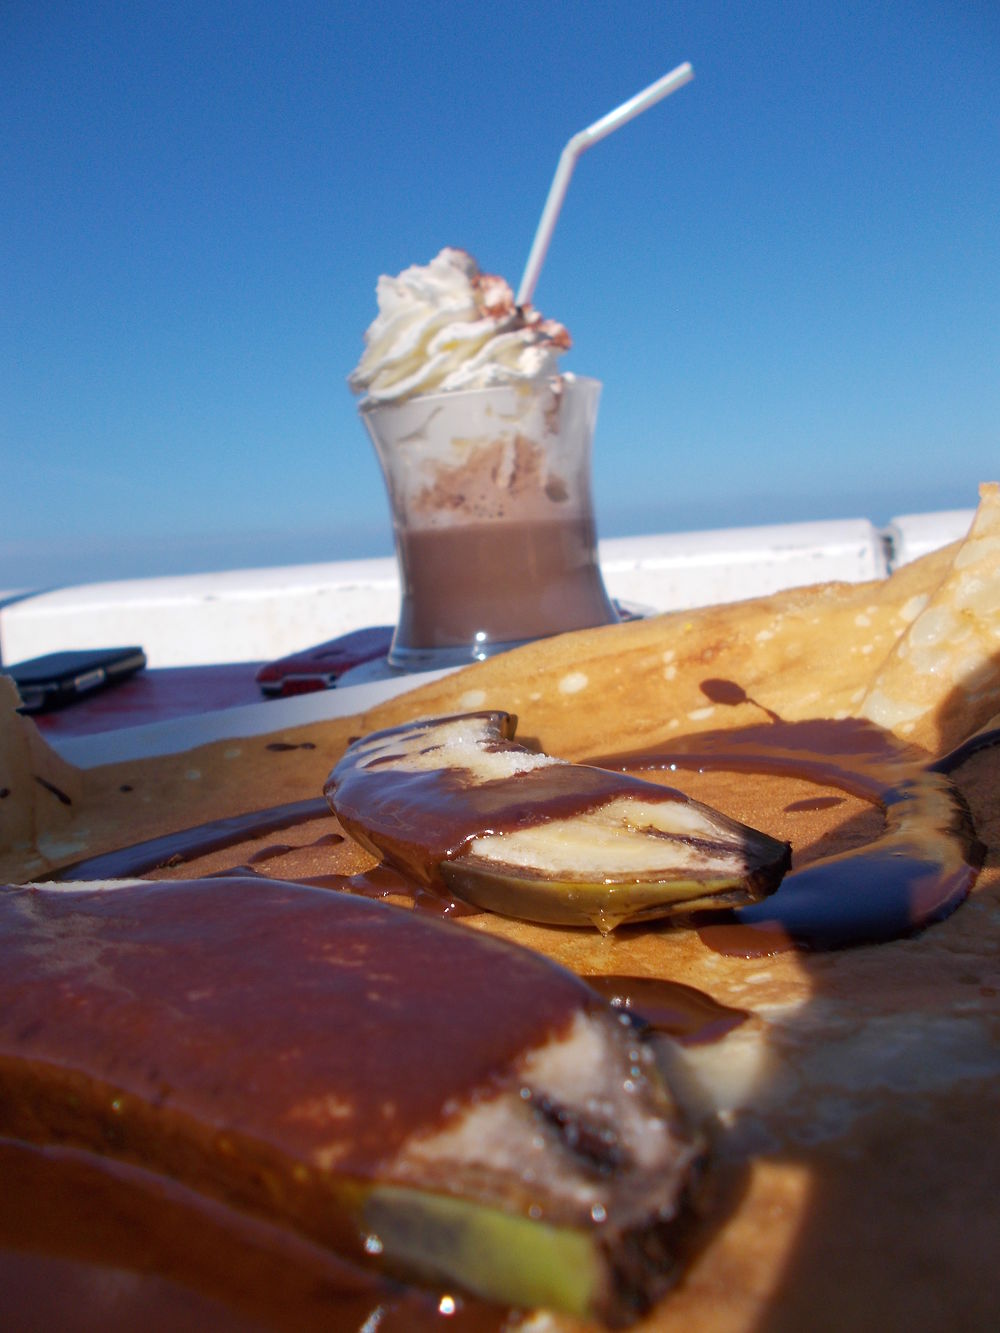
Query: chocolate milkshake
pixel 485 449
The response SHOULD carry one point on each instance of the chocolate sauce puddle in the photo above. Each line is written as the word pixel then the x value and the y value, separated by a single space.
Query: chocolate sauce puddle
pixel 380 882
pixel 689 1016
pixel 814 803
pixel 916 873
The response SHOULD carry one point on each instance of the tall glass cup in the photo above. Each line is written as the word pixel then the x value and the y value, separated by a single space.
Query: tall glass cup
pixel 493 517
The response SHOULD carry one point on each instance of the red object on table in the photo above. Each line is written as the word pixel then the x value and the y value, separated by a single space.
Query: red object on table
pixel 319 668
pixel 153 696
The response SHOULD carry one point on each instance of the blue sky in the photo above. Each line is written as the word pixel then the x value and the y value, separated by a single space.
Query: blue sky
pixel 787 275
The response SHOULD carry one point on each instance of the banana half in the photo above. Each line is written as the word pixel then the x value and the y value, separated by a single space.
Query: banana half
pixel 458 805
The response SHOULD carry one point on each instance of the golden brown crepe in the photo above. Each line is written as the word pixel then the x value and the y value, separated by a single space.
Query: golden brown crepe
pixel 854 1113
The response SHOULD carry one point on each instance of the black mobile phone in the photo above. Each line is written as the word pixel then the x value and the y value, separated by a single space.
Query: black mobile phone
pixel 56 679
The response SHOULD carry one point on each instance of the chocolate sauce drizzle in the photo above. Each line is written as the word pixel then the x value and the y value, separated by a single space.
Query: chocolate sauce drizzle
pixel 916 873
pixel 689 1016
pixel 57 792
pixel 187 844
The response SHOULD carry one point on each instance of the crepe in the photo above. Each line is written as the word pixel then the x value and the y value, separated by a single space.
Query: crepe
pixel 853 1113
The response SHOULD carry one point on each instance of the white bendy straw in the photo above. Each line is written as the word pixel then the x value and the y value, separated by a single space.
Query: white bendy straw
pixel 567 161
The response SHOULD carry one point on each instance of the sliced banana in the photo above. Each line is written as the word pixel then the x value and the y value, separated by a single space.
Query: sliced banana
pixel 458 804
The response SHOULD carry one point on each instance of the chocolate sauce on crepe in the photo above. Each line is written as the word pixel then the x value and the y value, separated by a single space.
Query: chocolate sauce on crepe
pixel 426 817
pixel 186 844
pixel 226 955
pixel 148 986
pixel 918 870
pixel 916 873
pixel 684 1013
pixel 88 1243
pixel 241 1056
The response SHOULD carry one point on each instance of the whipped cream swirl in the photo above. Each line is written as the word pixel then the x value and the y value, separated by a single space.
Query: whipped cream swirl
pixel 445 325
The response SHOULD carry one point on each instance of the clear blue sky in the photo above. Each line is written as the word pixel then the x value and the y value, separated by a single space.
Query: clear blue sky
pixel 787 275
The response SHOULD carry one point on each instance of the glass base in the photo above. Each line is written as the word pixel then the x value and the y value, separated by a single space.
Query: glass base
pixel 402 658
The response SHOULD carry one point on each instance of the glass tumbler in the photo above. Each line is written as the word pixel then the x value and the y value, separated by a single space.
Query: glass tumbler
pixel 492 516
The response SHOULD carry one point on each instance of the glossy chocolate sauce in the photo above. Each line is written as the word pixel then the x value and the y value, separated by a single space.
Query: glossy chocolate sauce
pixel 55 791
pixel 185 845
pixel 380 883
pixel 195 1029
pixel 689 1016
pixel 88 1243
pixel 270 964
pixel 916 873
pixel 420 818
pixel 727 692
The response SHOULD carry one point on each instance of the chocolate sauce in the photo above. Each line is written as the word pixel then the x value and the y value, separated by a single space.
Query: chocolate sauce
pixel 186 844
pixel 381 882
pixel 853 754
pixel 558 790
pixel 197 1028
pixel 275 962
pixel 270 852
pixel 916 873
pixel 177 849
pixel 276 849
pixel 985 739
pixel 72 1217
pixel 420 818
pixel 329 840
pixel 88 1243
pixel 169 1055
pixel 688 1015
pixel 57 792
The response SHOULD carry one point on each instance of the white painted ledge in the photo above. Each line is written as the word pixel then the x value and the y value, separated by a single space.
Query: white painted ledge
pixel 913 535
pixel 238 616
pixel 676 571
pixel 258 614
